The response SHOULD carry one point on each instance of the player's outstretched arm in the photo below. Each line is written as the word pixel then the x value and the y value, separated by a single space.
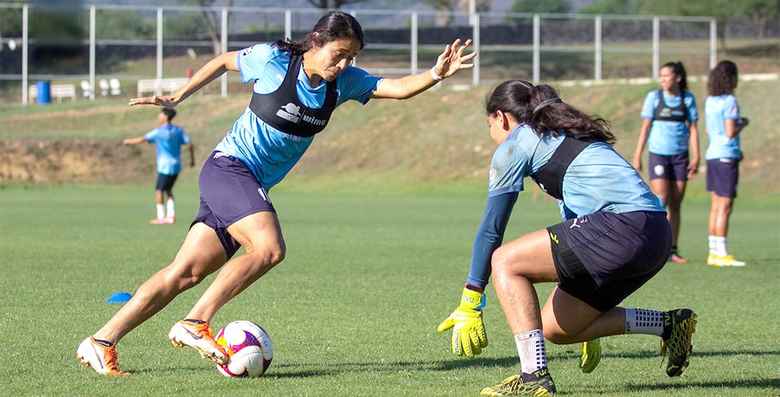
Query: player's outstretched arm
pixel 134 141
pixel 210 71
pixel 449 62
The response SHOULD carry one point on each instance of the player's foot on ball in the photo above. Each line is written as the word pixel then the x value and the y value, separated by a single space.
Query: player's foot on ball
pixel 99 356
pixel 157 221
pixel 537 384
pixel 197 335
pixel 676 258
pixel 676 343
pixel 590 355
pixel 724 261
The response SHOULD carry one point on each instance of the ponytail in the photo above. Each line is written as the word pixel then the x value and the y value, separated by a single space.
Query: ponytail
pixel 541 108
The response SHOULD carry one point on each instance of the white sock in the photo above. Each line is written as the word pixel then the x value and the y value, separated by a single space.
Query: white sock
pixel 160 211
pixel 530 348
pixel 645 322
pixel 718 245
pixel 171 211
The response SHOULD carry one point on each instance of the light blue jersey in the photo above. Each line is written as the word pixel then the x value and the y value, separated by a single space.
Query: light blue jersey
pixel 669 138
pixel 266 151
pixel 718 109
pixel 168 139
pixel 598 179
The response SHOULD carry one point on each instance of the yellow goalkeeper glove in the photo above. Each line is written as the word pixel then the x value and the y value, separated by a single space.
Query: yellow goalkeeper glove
pixel 468 329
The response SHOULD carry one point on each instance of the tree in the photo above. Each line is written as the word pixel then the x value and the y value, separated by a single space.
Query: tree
pixel 626 7
pixel 542 7
pixel 445 9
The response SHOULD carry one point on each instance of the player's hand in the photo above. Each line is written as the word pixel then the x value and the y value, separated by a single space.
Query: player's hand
pixel 468 329
pixel 693 168
pixel 637 163
pixel 452 59
pixel 166 101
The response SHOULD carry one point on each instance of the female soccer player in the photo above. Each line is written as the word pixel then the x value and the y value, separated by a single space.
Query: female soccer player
pixel 297 85
pixel 614 237
pixel 169 139
pixel 724 126
pixel 669 116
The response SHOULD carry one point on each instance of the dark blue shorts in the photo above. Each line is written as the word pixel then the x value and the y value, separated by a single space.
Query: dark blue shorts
pixel 228 193
pixel 604 257
pixel 673 168
pixel 723 176
pixel 165 182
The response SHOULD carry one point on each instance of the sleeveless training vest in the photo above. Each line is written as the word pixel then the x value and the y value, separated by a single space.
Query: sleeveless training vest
pixel 550 176
pixel 282 110
pixel 663 112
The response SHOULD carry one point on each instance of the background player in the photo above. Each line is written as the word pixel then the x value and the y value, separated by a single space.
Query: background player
pixel 168 140
pixel 669 125
pixel 724 128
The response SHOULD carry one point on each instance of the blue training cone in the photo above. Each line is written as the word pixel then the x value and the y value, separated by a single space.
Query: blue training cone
pixel 118 298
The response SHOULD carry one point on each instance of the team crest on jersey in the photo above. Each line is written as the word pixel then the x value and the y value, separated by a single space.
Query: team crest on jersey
pixel 290 112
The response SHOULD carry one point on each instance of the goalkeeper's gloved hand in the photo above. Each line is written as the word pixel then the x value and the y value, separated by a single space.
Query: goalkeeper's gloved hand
pixel 468 329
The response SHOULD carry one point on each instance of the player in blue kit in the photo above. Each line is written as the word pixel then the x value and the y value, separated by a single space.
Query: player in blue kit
pixel 168 140
pixel 614 237
pixel 724 128
pixel 296 87
pixel 669 127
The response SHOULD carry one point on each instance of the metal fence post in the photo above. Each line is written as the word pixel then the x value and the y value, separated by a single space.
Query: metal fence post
pixel 413 43
pixel 224 78
pixel 288 24
pixel 92 52
pixel 159 49
pixel 25 34
pixel 597 48
pixel 537 48
pixel 475 39
pixel 656 46
pixel 713 43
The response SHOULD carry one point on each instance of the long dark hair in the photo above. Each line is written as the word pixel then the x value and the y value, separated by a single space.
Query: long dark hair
pixel 332 26
pixel 723 79
pixel 541 108
pixel 679 70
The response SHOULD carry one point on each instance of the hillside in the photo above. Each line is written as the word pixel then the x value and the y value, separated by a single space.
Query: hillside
pixel 439 136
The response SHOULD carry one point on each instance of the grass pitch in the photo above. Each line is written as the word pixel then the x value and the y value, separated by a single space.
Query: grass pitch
pixel 353 309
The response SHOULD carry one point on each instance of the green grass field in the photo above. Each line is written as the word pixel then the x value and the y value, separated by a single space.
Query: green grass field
pixel 353 309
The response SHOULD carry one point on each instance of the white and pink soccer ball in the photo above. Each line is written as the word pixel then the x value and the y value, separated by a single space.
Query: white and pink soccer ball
pixel 249 348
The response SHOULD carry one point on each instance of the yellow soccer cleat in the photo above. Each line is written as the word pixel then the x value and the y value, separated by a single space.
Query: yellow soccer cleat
pixel 538 384
pixel 590 355
pixel 724 261
pixel 678 345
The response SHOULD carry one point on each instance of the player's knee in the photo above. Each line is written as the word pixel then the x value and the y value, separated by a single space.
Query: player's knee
pixel 499 262
pixel 268 255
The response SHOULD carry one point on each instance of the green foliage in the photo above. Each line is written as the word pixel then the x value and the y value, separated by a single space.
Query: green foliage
pixel 536 6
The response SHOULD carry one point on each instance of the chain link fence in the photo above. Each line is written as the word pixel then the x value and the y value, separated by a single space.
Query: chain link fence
pixel 87 47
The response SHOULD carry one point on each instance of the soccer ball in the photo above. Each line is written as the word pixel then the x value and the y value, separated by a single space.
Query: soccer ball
pixel 249 348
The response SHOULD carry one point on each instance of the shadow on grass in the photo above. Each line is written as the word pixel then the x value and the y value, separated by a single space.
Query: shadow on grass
pixel 672 386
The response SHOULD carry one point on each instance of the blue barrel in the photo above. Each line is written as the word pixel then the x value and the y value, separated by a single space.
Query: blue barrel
pixel 44 92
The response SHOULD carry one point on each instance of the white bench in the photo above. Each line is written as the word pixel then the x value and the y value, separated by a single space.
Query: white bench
pixel 160 86
pixel 58 91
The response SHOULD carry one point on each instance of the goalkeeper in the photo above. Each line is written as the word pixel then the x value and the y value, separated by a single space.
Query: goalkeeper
pixel 614 237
